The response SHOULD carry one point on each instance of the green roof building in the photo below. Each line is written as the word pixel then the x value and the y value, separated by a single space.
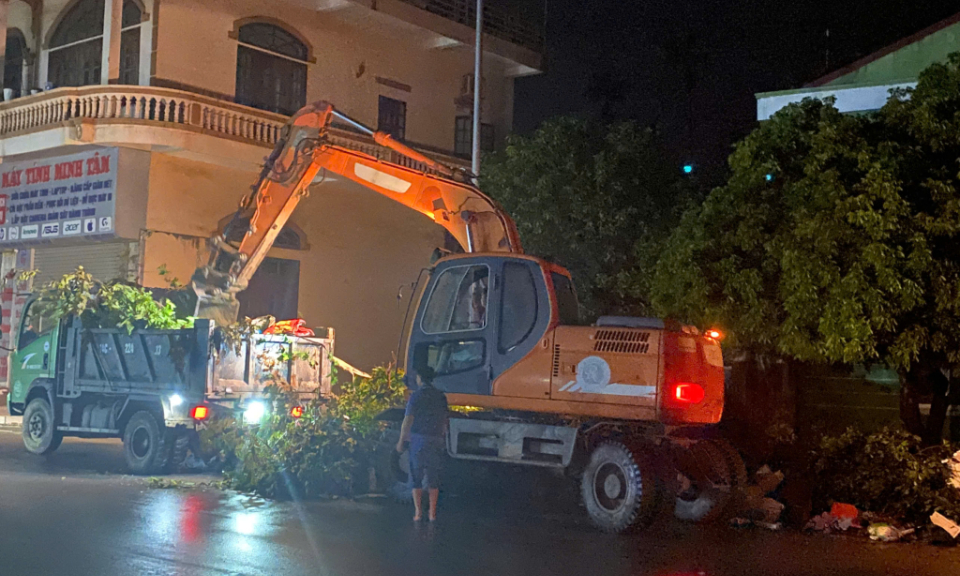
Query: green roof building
pixel 865 85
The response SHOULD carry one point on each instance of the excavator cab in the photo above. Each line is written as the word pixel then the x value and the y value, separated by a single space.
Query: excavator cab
pixel 479 315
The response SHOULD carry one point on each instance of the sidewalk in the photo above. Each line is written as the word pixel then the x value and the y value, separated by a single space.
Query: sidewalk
pixel 5 418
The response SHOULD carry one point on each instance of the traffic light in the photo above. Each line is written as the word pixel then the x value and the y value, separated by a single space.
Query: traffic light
pixel 688 168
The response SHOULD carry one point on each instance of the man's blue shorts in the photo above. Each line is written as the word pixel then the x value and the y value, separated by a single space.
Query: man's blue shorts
pixel 426 459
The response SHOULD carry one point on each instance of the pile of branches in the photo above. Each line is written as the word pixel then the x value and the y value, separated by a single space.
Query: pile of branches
pixel 112 304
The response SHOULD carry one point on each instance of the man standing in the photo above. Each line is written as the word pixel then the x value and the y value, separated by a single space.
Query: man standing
pixel 424 425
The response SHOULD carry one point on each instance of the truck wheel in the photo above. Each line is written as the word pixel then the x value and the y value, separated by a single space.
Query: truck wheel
pixel 618 488
pixel 144 444
pixel 393 469
pixel 39 432
pixel 179 444
pixel 708 484
pixel 738 469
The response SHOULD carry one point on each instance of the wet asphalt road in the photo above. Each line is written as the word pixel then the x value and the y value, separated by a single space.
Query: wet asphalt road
pixel 76 513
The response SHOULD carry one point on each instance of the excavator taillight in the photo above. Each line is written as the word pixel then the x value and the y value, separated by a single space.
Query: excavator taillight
pixel 687 393
pixel 200 413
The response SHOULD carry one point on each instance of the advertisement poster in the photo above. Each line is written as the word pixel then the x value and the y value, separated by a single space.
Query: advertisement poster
pixel 62 198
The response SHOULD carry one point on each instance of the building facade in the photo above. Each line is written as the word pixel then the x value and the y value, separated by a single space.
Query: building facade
pixel 131 128
pixel 865 85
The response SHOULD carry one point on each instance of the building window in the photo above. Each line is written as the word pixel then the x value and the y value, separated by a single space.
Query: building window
pixel 13 66
pixel 463 136
pixel 271 69
pixel 392 117
pixel 76 47
pixel 130 44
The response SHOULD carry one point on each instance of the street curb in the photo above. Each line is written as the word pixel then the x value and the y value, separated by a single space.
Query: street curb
pixel 11 421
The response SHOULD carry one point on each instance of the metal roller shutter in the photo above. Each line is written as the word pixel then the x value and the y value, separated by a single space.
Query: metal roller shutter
pixel 105 260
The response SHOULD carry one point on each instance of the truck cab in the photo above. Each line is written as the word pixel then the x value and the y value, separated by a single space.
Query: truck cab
pixel 142 386
pixel 35 345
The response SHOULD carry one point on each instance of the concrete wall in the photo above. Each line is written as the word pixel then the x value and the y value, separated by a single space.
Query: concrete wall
pixel 194 48
pixel 361 249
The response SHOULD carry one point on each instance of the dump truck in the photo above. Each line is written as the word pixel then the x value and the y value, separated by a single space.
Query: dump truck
pixel 151 388
pixel 622 405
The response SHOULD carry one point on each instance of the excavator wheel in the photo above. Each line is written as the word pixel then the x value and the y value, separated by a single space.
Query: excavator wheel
pixel 707 483
pixel 618 488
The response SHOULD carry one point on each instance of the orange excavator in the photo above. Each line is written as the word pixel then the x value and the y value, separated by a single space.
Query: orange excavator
pixel 618 402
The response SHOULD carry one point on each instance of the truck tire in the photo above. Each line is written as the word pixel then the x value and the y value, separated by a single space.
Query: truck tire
pixel 618 488
pixel 393 469
pixel 145 444
pixel 738 468
pixel 179 444
pixel 39 432
pixel 711 477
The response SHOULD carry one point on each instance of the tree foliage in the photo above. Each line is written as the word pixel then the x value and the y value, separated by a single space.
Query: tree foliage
pixel 591 198
pixel 325 452
pixel 835 238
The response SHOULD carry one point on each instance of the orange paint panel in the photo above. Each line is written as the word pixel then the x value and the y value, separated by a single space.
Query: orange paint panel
pixel 693 360
pixel 607 365
pixel 530 377
pixel 589 409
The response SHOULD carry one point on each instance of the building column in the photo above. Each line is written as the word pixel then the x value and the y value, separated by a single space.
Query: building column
pixel 4 10
pixel 112 23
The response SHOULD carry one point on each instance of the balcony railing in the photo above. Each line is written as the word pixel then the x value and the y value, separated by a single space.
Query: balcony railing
pixel 165 107
pixel 497 21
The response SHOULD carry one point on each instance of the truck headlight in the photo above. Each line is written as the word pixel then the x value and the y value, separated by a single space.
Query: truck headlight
pixel 175 400
pixel 254 412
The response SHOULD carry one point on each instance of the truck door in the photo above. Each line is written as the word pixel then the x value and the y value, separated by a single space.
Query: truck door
pixel 36 348
pixel 453 327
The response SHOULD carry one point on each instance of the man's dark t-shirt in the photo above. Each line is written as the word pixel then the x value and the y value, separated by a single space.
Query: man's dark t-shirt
pixel 428 406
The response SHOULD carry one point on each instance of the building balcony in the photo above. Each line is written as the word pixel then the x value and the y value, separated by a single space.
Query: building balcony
pixel 497 21
pixel 163 120
pixel 513 31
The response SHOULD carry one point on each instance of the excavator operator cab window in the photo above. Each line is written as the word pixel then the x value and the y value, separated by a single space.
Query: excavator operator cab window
pixel 459 301
pixel 453 356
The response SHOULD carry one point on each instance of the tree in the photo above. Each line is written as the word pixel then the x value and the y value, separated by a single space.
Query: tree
pixel 584 196
pixel 836 240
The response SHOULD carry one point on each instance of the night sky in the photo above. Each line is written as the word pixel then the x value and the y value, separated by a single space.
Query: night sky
pixel 692 68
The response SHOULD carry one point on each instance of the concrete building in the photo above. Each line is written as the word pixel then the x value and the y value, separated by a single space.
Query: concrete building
pixel 132 128
pixel 865 85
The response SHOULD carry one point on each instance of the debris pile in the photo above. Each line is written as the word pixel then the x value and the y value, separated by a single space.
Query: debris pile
pixel 953 464
pixel 759 507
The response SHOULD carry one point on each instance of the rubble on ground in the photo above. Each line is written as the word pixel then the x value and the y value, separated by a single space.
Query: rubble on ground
pixel 757 507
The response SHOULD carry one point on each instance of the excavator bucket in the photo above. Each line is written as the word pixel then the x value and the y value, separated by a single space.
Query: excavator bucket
pixel 223 309
pixel 216 296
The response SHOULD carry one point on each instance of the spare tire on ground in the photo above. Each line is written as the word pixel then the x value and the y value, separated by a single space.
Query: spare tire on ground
pixel 713 475
pixel 392 469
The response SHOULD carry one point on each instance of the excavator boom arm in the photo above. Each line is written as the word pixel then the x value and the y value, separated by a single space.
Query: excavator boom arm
pixel 304 154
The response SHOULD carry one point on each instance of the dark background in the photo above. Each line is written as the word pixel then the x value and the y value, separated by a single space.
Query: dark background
pixel 691 68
